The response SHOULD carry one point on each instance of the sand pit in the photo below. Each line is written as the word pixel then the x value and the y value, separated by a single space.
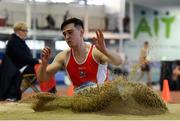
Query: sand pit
pixel 15 107
pixel 117 97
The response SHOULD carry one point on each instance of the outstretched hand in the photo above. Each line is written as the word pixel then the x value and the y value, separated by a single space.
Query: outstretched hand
pixel 45 55
pixel 100 42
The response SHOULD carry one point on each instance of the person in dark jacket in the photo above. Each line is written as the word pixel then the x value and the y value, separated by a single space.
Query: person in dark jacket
pixel 20 55
pixel 10 80
pixel 50 22
pixel 18 51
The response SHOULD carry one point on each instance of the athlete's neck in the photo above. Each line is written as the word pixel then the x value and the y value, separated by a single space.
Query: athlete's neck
pixel 80 52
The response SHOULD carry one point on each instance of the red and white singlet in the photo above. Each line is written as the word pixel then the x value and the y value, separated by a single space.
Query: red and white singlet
pixel 89 70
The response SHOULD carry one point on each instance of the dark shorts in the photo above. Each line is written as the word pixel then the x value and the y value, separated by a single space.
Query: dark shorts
pixel 145 67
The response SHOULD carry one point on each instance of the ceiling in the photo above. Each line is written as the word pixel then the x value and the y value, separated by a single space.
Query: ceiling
pixel 158 3
pixel 149 3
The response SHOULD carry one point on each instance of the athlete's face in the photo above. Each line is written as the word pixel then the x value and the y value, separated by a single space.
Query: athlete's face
pixel 73 35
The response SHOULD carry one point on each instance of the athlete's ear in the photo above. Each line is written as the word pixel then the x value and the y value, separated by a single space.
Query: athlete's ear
pixel 82 32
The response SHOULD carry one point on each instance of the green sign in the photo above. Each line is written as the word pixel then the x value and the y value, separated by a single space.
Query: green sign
pixel 144 27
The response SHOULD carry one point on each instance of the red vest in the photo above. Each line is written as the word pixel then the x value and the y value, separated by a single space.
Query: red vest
pixel 83 72
pixel 46 85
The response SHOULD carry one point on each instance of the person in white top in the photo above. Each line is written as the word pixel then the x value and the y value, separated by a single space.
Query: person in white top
pixel 144 63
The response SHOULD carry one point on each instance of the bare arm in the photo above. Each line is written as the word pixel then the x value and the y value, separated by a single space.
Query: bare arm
pixel 45 71
pixel 176 73
pixel 103 53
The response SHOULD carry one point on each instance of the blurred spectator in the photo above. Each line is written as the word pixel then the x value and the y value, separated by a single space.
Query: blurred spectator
pixel 50 21
pixel 18 60
pixel 17 49
pixel 144 63
pixel 67 15
pixel 126 24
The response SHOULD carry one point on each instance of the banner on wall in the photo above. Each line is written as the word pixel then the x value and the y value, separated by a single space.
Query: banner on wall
pixel 160 29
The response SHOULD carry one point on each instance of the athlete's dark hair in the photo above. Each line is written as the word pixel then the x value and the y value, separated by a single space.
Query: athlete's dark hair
pixel 76 21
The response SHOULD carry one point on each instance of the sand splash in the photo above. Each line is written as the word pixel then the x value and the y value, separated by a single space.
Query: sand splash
pixel 118 97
